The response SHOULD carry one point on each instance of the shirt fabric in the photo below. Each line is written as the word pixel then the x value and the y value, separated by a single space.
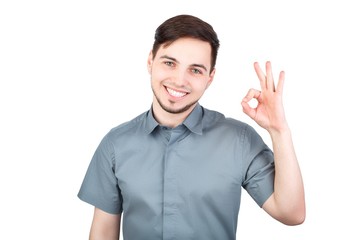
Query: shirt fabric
pixel 182 183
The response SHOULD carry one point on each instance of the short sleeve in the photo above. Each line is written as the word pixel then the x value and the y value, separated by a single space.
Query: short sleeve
pixel 259 168
pixel 100 186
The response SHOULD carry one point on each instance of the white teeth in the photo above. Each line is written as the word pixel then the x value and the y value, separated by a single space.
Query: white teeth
pixel 174 93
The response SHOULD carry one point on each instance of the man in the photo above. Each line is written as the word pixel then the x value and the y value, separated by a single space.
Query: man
pixel 177 170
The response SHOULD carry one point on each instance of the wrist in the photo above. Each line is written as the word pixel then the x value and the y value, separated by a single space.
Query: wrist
pixel 284 129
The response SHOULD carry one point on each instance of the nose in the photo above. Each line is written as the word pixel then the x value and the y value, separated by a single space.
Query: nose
pixel 180 78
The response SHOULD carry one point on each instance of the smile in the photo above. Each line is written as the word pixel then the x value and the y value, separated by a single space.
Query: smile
pixel 174 93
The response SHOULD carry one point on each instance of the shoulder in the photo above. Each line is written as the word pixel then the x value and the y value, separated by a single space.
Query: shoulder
pixel 215 119
pixel 217 126
pixel 124 129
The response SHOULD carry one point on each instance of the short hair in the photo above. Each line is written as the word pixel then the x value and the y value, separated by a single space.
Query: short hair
pixel 183 26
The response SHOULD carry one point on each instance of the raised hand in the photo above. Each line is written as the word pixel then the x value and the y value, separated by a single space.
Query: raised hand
pixel 269 112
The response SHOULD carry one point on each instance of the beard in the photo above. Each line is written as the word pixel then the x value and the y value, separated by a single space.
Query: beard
pixel 173 110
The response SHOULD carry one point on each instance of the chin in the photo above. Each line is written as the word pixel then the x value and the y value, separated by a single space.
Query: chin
pixel 177 110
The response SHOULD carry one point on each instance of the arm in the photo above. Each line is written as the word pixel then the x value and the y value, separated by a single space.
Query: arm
pixel 287 203
pixel 105 226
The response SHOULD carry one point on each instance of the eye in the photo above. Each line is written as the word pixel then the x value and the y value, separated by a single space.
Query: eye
pixel 196 71
pixel 168 63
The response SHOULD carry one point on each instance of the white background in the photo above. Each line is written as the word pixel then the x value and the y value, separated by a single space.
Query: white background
pixel 70 70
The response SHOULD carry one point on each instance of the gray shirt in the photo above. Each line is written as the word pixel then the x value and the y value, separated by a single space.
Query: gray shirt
pixel 182 183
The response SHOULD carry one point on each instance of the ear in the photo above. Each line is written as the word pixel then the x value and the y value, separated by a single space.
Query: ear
pixel 150 62
pixel 211 78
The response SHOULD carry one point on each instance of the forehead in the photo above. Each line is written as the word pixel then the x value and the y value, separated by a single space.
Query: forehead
pixel 187 50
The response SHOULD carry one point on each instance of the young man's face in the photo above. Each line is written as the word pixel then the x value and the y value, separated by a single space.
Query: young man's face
pixel 180 74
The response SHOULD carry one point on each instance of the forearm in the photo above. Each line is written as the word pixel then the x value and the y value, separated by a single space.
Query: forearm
pixel 288 195
pixel 105 226
pixel 103 234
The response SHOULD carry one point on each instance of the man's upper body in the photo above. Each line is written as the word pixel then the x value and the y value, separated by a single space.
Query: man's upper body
pixel 179 183
pixel 182 66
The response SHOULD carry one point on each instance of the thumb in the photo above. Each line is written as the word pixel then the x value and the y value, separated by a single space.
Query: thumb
pixel 251 112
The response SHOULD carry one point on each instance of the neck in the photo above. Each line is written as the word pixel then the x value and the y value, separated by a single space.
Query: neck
pixel 168 119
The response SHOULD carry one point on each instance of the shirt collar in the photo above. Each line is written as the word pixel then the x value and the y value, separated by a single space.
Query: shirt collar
pixel 150 123
pixel 193 122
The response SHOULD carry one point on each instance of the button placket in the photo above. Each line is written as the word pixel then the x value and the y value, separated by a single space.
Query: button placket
pixel 170 204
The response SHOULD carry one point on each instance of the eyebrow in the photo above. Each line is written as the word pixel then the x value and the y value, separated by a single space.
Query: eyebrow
pixel 175 60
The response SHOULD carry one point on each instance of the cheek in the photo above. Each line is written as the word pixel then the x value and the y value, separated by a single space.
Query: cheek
pixel 202 84
pixel 159 74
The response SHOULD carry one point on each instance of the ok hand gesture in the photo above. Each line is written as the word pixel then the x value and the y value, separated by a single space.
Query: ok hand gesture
pixel 269 112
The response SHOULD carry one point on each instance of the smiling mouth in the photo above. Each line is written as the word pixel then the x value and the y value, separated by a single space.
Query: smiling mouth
pixel 175 93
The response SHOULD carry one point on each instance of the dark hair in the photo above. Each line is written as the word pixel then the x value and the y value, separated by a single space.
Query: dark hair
pixel 186 26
